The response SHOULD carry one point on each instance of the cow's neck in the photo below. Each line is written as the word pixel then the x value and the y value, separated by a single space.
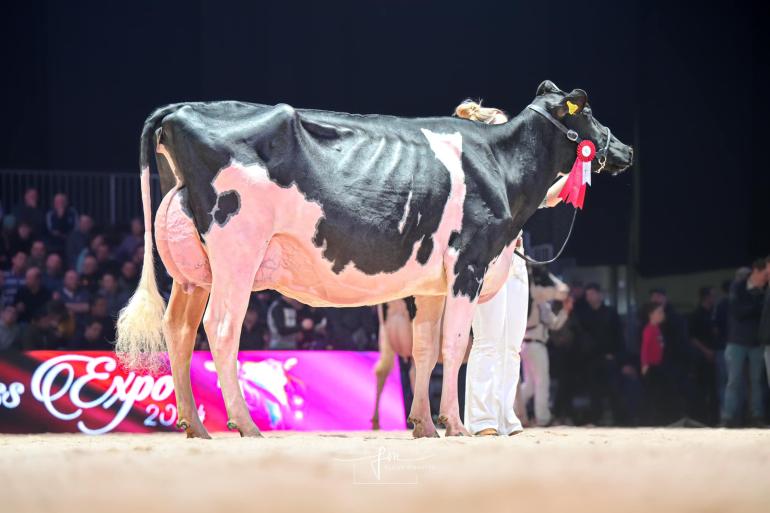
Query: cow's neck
pixel 532 154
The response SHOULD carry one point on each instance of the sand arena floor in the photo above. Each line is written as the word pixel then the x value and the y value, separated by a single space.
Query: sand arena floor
pixel 542 470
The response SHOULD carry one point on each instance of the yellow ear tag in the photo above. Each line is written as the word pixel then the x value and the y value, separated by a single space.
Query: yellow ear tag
pixel 572 108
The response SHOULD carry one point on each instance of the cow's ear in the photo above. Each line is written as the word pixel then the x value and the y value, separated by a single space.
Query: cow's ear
pixel 571 104
pixel 545 87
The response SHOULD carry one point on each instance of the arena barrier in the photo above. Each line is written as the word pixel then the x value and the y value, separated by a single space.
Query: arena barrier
pixel 88 392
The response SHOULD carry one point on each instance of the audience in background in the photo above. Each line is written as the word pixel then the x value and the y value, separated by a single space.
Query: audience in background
pixel 654 376
pixel 745 309
pixel 708 356
pixel 60 221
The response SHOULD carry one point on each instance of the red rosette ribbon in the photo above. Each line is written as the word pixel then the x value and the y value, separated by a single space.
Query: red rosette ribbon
pixel 574 190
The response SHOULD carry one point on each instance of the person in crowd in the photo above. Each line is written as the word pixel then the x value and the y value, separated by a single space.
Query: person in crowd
pixel 28 212
pixel 104 260
pixel 89 275
pixel 38 333
pixel 129 244
pixel 283 322
pixel 13 279
pixel 6 231
pixel 745 309
pixel 20 239
pixel 75 298
pixel 654 376
pixel 543 289
pixel 63 325
pixel 33 296
pixel 77 240
pixel 704 338
pixel 764 320
pixel 116 298
pixel 9 328
pixel 37 254
pixel 129 277
pixel 312 328
pixel 60 221
pixel 721 316
pixel 94 339
pixel 678 354
pixel 602 347
pixel 254 332
pixel 352 329
pixel 98 313
pixel 53 274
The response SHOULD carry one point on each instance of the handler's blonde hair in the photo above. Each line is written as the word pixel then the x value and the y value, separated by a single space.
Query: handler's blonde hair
pixel 472 110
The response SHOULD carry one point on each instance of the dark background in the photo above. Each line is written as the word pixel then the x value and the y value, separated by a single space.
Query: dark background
pixel 680 83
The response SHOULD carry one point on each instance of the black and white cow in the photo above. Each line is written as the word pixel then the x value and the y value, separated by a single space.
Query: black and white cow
pixel 338 209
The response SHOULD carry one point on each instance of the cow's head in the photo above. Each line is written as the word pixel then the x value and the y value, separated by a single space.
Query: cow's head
pixel 573 110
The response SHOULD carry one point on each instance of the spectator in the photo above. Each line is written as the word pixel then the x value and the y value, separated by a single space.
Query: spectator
pixel 63 324
pixel 352 328
pixel 98 313
pixel 709 356
pixel 20 239
pixel 13 279
pixel 60 221
pixel 746 301
pixel 38 333
pixel 89 276
pixel 94 338
pixel 601 345
pixel 37 254
pixel 28 212
pixel 52 277
pixel 283 323
pixel 116 299
pixel 9 329
pixel 764 323
pixel 77 240
pixel 131 242
pixel 129 277
pixel 105 262
pixel 678 353
pixel 253 332
pixel 312 323
pixel 33 296
pixel 654 377
pixel 75 298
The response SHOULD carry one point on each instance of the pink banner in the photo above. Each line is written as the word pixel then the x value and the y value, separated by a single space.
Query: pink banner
pixel 54 391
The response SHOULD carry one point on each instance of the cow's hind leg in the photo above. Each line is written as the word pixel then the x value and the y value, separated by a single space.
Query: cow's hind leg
pixel 230 290
pixel 456 329
pixel 382 370
pixel 425 328
pixel 180 324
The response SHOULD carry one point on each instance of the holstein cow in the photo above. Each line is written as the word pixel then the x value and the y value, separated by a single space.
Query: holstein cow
pixel 337 209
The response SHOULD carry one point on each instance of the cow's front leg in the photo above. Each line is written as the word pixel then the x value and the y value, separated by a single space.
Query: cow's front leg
pixel 180 324
pixel 223 320
pixel 458 316
pixel 425 334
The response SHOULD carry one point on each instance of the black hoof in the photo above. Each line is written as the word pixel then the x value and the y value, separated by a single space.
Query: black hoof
pixel 183 425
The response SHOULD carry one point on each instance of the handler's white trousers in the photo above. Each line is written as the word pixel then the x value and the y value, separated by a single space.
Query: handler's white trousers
pixel 494 362
pixel 537 381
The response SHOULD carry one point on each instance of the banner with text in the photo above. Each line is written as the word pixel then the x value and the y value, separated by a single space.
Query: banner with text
pixel 88 392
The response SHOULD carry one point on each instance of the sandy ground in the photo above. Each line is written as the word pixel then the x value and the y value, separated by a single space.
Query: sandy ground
pixel 541 470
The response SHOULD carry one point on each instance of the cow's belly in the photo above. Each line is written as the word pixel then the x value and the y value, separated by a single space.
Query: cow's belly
pixel 297 269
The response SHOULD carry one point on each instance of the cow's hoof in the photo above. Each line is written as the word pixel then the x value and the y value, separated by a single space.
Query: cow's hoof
pixel 193 432
pixel 423 429
pixel 250 432
pixel 453 427
pixel 375 424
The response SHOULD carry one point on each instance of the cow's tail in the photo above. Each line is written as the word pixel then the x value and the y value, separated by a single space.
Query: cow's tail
pixel 139 343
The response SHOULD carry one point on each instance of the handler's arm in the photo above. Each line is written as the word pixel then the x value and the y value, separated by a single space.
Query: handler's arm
pixel 552 197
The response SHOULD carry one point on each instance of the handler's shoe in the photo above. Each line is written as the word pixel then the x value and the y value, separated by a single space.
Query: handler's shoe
pixel 487 432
